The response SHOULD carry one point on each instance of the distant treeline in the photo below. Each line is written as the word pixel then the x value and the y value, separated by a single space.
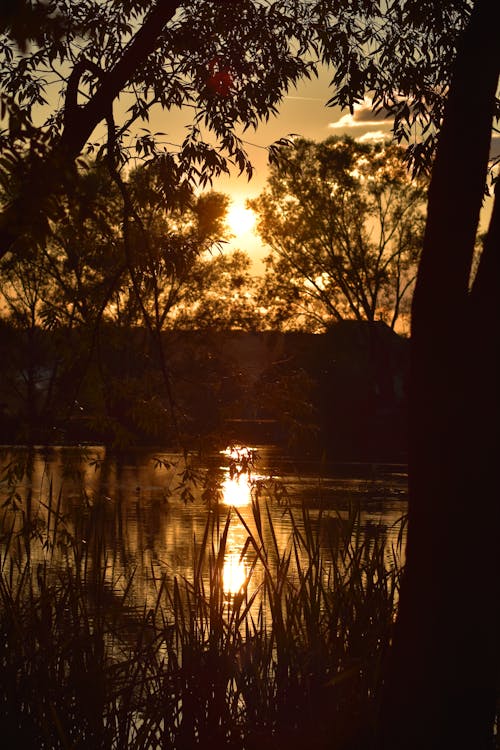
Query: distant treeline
pixel 343 392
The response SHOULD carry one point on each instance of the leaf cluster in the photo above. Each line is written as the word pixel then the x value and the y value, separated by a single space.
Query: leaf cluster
pixel 398 53
pixel 344 223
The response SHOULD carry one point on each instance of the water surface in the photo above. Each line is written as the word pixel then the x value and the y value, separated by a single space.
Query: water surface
pixel 143 514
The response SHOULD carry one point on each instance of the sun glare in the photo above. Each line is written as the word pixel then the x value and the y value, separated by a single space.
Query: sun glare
pixel 240 219
pixel 237 491
pixel 233 574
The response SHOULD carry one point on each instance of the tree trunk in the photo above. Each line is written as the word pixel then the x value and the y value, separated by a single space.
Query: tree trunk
pixel 440 687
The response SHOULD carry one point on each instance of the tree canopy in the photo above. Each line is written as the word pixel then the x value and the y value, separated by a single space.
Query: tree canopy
pixel 91 288
pixel 227 65
pixel 87 269
pixel 345 224
pixel 434 67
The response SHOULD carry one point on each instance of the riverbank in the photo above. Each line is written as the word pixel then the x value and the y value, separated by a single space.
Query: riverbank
pixel 342 393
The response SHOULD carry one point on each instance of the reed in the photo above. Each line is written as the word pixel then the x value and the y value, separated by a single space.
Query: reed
pixel 293 657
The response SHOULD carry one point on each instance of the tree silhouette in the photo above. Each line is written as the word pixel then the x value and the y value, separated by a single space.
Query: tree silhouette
pixel 434 67
pixel 91 289
pixel 221 295
pixel 163 53
pixel 444 664
pixel 345 225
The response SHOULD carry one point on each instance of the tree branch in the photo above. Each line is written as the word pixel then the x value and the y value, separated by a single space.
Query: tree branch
pixel 80 121
pixel 112 83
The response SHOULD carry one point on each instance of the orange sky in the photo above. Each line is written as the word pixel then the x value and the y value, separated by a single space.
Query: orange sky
pixel 303 112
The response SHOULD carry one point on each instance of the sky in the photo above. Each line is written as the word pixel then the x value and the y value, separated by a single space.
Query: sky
pixel 303 112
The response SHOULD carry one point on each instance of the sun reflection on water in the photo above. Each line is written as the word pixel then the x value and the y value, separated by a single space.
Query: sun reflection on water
pixel 237 483
pixel 233 574
pixel 237 491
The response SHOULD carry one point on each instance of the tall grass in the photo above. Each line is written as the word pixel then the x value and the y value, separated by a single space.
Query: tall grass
pixel 291 660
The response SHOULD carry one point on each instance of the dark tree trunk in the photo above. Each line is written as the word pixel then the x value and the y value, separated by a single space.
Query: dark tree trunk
pixel 441 676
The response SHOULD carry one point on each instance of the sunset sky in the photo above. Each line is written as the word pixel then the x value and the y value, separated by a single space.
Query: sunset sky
pixel 303 112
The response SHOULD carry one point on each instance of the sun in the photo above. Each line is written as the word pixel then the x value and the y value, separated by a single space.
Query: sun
pixel 240 219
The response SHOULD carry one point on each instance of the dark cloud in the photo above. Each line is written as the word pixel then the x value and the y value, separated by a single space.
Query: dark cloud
pixel 367 115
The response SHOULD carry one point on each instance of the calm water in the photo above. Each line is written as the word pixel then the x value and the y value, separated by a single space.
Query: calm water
pixel 146 512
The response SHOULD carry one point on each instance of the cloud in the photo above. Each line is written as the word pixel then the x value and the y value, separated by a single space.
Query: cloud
pixel 372 136
pixel 362 117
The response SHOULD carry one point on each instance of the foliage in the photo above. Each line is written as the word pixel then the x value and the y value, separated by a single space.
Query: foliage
pixel 80 264
pixel 167 56
pixel 402 54
pixel 345 225
pixel 118 258
pixel 164 241
pixel 221 295
pixel 172 269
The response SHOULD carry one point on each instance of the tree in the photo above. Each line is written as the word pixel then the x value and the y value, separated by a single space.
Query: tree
pixel 221 296
pixel 62 286
pixel 165 241
pixel 162 243
pixel 91 294
pixel 84 252
pixel 402 54
pixel 80 270
pixel 443 677
pixel 345 224
pixel 170 55
pixel 24 288
pixel 174 55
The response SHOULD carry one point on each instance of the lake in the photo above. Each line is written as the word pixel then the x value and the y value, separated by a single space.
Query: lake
pixel 143 515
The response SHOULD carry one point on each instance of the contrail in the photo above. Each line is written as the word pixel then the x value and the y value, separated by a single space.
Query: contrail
pixel 306 98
